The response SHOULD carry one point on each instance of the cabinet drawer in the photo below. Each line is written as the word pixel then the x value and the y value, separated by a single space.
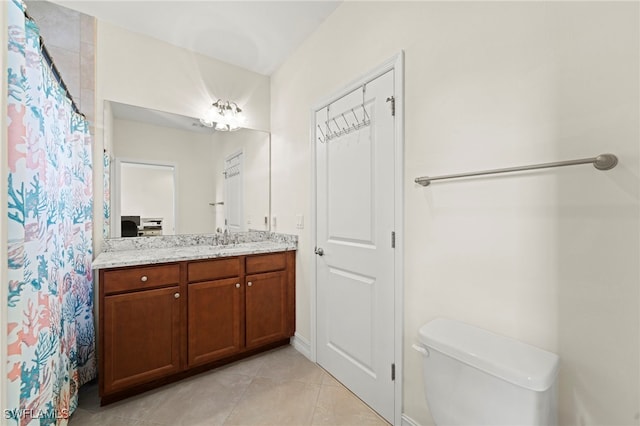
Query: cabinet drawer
pixel 141 278
pixel 216 269
pixel 266 263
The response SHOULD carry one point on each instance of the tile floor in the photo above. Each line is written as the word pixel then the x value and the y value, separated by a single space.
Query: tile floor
pixel 279 387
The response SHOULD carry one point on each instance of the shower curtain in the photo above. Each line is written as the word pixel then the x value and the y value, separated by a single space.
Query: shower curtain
pixel 51 339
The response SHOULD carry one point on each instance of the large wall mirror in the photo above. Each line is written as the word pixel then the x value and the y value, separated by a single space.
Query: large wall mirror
pixel 169 174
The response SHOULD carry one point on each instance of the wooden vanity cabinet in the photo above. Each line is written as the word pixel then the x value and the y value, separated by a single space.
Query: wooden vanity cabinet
pixel 160 323
pixel 140 327
pixel 266 306
pixel 267 300
pixel 216 309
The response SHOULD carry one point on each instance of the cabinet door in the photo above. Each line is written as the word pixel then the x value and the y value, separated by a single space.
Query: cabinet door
pixel 266 308
pixel 215 320
pixel 141 337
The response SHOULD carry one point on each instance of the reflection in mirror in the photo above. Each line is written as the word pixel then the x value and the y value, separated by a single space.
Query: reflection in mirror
pixel 147 193
pixel 179 177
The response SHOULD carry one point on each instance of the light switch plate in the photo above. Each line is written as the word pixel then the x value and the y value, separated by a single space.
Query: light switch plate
pixel 299 221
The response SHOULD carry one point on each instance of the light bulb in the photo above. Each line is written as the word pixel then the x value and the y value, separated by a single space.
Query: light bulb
pixel 225 116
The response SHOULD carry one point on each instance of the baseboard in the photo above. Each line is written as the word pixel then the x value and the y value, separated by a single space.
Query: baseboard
pixel 408 421
pixel 302 345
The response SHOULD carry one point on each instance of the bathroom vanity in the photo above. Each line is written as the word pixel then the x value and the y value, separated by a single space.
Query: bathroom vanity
pixel 169 312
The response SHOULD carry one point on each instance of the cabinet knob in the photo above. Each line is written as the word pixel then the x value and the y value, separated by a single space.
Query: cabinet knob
pixel 144 278
pixel 238 285
pixel 249 283
pixel 176 296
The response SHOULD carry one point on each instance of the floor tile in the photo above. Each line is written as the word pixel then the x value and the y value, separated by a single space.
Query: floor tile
pixel 337 406
pixel 83 417
pixel 272 402
pixel 278 387
pixel 248 366
pixel 290 365
pixel 206 400
pixel 88 398
pixel 329 380
pixel 139 407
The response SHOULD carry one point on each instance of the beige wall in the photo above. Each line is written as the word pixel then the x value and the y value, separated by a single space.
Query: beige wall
pixel 548 257
pixel 141 71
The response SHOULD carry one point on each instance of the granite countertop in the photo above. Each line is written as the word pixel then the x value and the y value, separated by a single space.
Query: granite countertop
pixel 140 255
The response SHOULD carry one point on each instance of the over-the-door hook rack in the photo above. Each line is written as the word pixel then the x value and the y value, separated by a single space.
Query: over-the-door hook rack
pixel 334 129
pixel 231 171
pixel 332 121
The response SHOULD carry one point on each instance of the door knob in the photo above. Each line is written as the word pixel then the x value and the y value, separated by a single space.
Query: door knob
pixel 144 278
pixel 319 251
pixel 237 285
pixel 176 296
pixel 249 283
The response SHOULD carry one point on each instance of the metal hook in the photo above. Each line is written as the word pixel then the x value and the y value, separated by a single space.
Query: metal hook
pixel 330 132
pixel 348 125
pixel 354 114
pixel 365 113
pixel 366 116
pixel 321 132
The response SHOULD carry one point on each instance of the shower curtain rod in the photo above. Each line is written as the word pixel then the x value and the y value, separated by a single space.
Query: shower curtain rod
pixel 54 69
pixel 601 162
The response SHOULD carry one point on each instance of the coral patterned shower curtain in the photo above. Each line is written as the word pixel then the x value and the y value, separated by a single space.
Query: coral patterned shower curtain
pixel 51 339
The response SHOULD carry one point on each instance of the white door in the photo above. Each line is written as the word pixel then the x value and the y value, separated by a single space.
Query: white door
pixel 233 198
pixel 355 261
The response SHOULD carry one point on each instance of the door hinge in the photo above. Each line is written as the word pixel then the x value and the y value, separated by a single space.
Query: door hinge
pixel 392 99
pixel 393 239
pixel 393 372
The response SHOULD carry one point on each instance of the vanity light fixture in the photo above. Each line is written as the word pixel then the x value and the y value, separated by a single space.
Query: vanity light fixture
pixel 225 116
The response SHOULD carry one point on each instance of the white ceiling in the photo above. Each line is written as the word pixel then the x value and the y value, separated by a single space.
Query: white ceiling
pixel 256 35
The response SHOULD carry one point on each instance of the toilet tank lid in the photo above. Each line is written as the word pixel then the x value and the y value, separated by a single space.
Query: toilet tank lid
pixel 509 359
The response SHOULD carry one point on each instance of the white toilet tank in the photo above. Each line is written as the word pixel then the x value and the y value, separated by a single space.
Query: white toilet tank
pixel 475 377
